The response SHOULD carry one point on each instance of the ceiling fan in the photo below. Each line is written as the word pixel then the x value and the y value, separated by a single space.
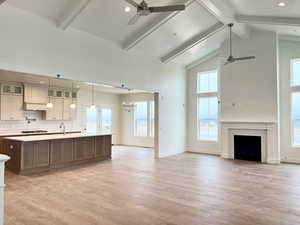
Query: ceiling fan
pixel 144 10
pixel 232 59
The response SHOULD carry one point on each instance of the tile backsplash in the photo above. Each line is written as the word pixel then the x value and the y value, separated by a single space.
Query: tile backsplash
pixel 12 126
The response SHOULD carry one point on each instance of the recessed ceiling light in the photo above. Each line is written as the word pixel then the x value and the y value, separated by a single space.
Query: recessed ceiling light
pixel 127 9
pixel 281 4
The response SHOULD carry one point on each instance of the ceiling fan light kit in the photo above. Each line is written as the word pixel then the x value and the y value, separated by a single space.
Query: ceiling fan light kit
pixel 232 59
pixel 144 10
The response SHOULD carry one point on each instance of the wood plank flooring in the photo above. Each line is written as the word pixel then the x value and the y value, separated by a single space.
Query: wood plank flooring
pixel 135 189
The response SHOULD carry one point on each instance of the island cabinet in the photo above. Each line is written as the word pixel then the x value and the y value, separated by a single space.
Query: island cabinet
pixel 84 148
pixel 35 156
pixel 103 146
pixel 62 151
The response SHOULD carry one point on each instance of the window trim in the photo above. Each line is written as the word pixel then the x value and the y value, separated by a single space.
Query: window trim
pixel 292 72
pixel 208 95
pixel 293 89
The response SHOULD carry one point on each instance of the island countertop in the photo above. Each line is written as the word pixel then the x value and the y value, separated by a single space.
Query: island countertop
pixel 45 137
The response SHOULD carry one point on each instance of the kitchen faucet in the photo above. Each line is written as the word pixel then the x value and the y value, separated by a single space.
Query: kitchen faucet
pixel 63 126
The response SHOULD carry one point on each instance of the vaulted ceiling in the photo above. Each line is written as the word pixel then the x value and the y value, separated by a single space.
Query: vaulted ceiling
pixel 183 37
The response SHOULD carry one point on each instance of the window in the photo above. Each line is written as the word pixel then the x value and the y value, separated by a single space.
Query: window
pixel 140 119
pixel 295 72
pixel 207 106
pixel 144 119
pixel 91 120
pixel 295 102
pixel 152 121
pixel 106 120
pixel 207 82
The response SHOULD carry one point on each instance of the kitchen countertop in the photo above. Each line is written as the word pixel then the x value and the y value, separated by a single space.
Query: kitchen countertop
pixel 47 137
pixel 19 133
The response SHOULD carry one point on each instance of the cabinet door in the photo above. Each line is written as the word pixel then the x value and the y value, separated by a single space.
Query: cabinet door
pixel 100 146
pixel 12 107
pixel 61 151
pixel 84 148
pixel 28 155
pixel 56 112
pixel 56 156
pixel 41 153
pixel 67 150
pixel 67 109
pixel 108 144
pixel 68 112
pixel 103 146
pixel 35 94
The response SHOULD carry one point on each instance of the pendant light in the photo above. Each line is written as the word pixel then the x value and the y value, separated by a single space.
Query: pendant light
pixel 49 104
pixel 127 104
pixel 93 106
pixel 73 105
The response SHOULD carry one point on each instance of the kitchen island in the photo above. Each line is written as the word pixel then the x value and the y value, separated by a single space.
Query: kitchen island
pixel 39 153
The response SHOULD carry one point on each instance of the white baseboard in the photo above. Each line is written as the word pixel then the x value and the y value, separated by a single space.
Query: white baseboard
pixel 293 161
pixel 203 151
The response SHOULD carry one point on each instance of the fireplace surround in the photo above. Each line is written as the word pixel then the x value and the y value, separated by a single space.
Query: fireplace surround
pixel 267 131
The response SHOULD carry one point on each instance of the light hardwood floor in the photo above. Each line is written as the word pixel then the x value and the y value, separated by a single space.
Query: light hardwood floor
pixel 135 189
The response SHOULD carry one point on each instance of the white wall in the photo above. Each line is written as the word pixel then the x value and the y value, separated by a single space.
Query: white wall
pixel 288 50
pixel 34 45
pixel 128 137
pixel 84 99
pixel 248 89
pixel 194 145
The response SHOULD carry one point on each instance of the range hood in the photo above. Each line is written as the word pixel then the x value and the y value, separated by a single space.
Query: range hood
pixel 35 107
pixel 35 97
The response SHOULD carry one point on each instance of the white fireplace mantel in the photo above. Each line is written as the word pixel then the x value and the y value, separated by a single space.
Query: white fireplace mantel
pixel 267 130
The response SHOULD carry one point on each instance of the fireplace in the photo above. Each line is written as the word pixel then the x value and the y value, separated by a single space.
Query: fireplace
pixel 235 134
pixel 247 147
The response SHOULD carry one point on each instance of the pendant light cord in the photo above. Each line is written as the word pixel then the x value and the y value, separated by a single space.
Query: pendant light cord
pixel 230 38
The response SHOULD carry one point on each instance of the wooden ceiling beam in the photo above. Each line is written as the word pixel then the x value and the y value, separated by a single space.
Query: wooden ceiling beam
pixel 226 15
pixel 198 39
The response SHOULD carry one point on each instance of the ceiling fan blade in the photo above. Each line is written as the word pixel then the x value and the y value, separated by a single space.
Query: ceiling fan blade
pixel 134 19
pixel 170 8
pixel 133 3
pixel 229 62
pixel 245 58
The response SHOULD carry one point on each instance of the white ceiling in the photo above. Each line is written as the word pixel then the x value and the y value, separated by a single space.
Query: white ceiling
pixel 50 9
pixel 266 7
pixel 194 20
pixel 108 20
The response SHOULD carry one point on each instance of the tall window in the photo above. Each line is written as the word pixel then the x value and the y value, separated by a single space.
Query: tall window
pixel 106 120
pixel 207 106
pixel 141 119
pixel 295 101
pixel 91 120
pixel 98 120
pixel 144 119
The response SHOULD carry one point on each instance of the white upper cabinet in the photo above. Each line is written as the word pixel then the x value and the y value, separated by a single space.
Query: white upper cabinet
pixel 11 102
pixel 56 112
pixel 69 113
pixel 36 94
